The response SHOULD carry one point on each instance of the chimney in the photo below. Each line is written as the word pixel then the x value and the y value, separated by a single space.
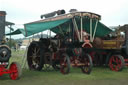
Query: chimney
pixel 2 25
pixel 126 31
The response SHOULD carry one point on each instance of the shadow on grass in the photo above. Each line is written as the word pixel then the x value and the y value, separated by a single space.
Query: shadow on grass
pixel 5 77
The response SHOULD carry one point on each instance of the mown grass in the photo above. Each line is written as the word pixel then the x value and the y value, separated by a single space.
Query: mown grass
pixel 98 76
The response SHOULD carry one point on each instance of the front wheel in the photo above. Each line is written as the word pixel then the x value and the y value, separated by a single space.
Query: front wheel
pixel 15 71
pixel 65 64
pixel 87 63
pixel 35 56
pixel 116 62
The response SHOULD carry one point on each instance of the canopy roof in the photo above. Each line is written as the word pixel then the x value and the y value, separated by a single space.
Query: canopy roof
pixel 18 31
pixel 42 26
pixel 9 23
pixel 63 23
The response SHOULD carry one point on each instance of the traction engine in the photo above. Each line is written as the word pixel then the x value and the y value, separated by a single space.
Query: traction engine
pixel 5 53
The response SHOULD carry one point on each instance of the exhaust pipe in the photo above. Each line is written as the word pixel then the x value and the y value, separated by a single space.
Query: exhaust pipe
pixel 52 14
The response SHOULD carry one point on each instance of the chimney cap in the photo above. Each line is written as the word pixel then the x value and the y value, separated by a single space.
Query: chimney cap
pixel 2 13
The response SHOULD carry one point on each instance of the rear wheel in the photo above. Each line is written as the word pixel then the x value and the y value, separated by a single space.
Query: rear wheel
pixel 87 61
pixel 65 64
pixel 15 70
pixel 35 56
pixel 116 62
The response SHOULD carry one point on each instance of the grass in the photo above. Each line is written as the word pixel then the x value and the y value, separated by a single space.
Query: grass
pixel 99 76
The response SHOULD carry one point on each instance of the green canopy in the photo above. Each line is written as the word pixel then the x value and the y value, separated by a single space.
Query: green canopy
pixel 37 27
pixel 63 25
pixel 101 29
pixel 18 31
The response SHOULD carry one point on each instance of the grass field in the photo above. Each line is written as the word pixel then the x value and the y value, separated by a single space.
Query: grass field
pixel 99 76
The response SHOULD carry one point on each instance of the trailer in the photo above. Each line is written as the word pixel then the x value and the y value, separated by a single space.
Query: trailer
pixel 75 33
pixel 111 50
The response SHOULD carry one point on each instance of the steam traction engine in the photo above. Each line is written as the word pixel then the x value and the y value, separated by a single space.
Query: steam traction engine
pixel 5 53
pixel 68 47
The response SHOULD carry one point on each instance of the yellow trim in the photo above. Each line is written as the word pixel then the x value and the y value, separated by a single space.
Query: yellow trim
pixel 109 42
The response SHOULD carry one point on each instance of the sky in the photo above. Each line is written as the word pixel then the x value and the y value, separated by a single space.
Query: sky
pixel 113 12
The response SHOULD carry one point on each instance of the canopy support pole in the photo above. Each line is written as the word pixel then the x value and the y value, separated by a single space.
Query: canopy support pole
pixel 50 33
pixel 81 29
pixel 91 30
pixel 33 37
pixel 76 28
pixel 69 31
pixel 10 38
pixel 95 30
pixel 42 34
pixel 25 31
pixel 69 28
pixel 61 30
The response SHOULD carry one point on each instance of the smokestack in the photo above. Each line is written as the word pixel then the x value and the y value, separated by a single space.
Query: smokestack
pixel 52 14
pixel 2 25
pixel 73 10
pixel 126 31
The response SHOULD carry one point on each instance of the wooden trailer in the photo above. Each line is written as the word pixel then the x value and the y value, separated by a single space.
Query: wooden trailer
pixel 111 50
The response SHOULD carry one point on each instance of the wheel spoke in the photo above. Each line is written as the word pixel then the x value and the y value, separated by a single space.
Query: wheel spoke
pixel 65 64
pixel 117 61
pixel 32 50
pixel 87 61
pixel 113 58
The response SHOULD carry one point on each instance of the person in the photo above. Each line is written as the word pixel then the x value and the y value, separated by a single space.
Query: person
pixel 86 40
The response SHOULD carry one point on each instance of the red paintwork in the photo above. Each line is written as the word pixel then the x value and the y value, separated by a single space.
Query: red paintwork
pixel 115 63
pixel 92 55
pixel 13 71
pixel 63 65
pixel 126 62
pixel 3 70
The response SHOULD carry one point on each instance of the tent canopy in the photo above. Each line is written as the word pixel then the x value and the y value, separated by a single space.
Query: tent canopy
pixel 42 26
pixel 18 31
pixel 62 24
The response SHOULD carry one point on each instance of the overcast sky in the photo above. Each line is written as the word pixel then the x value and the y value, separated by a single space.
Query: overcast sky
pixel 113 12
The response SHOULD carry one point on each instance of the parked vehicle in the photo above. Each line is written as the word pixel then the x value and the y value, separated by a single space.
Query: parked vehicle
pixel 111 50
pixel 5 53
pixel 75 33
